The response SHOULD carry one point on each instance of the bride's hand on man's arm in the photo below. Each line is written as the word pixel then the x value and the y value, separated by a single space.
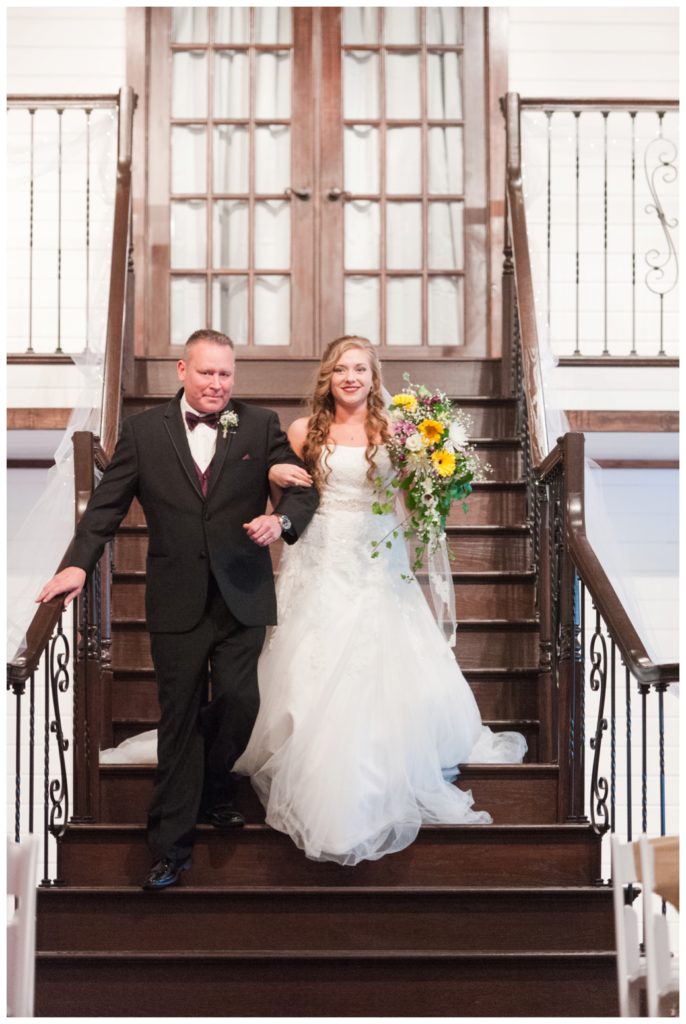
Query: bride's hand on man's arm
pixel 284 474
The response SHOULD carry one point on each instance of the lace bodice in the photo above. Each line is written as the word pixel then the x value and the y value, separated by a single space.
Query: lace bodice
pixel 347 486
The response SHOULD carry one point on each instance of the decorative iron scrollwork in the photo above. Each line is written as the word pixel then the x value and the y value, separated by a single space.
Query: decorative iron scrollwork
pixel 598 683
pixel 59 683
pixel 659 162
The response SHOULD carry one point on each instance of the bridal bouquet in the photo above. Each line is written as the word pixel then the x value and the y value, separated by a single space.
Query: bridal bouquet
pixel 434 465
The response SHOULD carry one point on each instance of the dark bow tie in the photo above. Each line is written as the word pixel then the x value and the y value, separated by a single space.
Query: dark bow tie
pixel 210 418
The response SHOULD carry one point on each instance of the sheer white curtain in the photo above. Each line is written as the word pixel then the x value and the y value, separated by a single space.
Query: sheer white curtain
pixel 403 175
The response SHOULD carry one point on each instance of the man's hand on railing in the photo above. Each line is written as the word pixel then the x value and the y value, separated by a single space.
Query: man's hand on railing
pixel 69 582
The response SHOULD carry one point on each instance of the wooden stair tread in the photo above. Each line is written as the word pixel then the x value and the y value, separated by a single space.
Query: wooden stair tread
pixel 559 830
pixel 468 624
pixel 467 530
pixel 496 672
pixel 483 576
pixel 183 891
pixel 330 954
pixel 537 769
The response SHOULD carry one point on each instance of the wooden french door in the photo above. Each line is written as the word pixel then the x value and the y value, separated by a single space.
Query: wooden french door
pixel 312 172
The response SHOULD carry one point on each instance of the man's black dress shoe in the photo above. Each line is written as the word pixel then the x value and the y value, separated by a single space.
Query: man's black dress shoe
pixel 225 817
pixel 165 873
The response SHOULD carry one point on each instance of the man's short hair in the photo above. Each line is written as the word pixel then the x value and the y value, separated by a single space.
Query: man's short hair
pixel 207 334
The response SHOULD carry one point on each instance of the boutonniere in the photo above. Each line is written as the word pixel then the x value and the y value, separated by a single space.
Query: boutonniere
pixel 228 419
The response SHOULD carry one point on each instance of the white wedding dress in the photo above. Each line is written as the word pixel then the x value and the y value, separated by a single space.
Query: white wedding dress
pixel 364 712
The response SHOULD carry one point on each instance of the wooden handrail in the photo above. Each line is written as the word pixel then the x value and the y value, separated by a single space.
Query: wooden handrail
pixel 531 363
pixel 628 105
pixel 43 101
pixel 635 656
pixel 116 311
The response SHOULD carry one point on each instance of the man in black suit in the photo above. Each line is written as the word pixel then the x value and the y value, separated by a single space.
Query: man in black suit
pixel 199 467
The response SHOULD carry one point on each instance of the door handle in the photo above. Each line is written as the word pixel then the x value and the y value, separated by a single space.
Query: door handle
pixel 299 193
pixel 338 193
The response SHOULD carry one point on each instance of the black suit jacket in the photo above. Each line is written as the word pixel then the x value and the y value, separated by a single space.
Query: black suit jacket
pixel 189 535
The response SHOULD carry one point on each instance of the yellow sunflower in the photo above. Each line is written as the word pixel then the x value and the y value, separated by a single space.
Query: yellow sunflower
pixel 431 431
pixel 444 463
pixel 406 402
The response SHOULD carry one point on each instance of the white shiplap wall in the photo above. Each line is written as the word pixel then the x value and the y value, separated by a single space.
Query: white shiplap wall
pixel 594 51
pixel 66 49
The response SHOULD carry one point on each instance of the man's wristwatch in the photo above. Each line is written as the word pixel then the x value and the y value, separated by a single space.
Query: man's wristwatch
pixel 284 520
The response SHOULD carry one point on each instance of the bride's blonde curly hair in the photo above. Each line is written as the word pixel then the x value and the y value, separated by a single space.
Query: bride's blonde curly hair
pixel 323 410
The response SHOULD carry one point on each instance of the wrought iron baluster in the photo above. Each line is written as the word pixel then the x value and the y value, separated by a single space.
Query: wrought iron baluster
pixel 598 684
pixel 577 350
pixel 606 350
pixel 661 687
pixel 60 112
pixel 643 690
pixel 657 261
pixel 627 685
pixel 17 770
pixel 88 223
pixel 32 745
pixel 549 219
pixel 633 351
pixel 32 122
pixel 59 683
pixel 46 768
pixel 613 735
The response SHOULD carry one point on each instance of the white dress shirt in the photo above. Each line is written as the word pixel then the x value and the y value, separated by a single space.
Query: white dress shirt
pixel 202 440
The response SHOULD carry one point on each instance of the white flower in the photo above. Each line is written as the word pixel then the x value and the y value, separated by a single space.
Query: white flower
pixel 414 443
pixel 458 435
pixel 228 419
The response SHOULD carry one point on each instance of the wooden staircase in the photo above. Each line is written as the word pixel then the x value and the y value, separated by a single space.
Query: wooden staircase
pixel 501 920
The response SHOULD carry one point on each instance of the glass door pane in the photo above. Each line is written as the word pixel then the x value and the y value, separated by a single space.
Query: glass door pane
pixel 230 107
pixel 402 140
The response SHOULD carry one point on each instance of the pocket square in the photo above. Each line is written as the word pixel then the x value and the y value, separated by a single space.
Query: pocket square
pixel 246 456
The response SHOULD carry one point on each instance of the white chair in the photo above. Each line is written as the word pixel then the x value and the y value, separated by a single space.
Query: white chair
pixel 630 966
pixel 22 859
pixel 660 872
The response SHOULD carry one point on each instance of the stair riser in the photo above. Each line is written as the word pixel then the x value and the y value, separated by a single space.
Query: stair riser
pixel 488 419
pixel 125 729
pixel 470 553
pixel 136 699
pixel 506 698
pixel 475 649
pixel 472 600
pixel 506 464
pixel 486 508
pixel 125 795
pixel 262 857
pixel 276 921
pixel 490 508
pixel 293 378
pixel 480 987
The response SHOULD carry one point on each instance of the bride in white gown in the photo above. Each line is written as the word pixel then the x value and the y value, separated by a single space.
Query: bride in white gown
pixel 364 714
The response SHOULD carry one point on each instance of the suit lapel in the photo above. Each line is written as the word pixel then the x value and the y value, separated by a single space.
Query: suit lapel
pixel 220 452
pixel 177 434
